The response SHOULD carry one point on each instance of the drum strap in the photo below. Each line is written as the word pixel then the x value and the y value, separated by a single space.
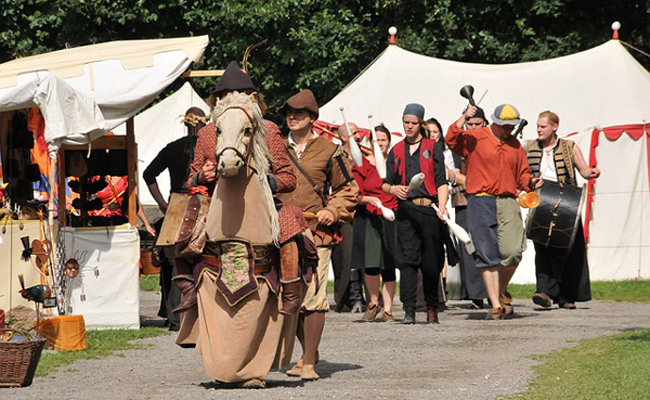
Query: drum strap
pixel 568 158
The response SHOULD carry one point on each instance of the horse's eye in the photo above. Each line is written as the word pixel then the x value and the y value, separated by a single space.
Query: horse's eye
pixel 248 131
pixel 218 131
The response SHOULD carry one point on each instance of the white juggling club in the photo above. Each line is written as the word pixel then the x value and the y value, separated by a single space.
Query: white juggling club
pixel 387 213
pixel 416 181
pixel 456 229
pixel 355 151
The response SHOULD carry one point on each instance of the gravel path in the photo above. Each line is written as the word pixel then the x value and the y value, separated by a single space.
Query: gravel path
pixel 465 357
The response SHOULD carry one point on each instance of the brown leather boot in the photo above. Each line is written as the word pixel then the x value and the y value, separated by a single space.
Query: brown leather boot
pixel 185 283
pixel 291 297
pixel 291 283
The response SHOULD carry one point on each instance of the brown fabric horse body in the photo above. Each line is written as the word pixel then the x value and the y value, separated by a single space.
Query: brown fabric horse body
pixel 238 326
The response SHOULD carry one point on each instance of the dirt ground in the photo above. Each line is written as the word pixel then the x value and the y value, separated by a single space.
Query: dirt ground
pixel 465 357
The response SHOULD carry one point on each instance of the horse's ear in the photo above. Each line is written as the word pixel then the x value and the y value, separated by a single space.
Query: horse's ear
pixel 253 97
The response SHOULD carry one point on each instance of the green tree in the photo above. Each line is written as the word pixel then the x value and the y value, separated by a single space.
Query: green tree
pixel 324 44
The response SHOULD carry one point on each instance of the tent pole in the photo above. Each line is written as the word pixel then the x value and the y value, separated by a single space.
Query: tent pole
pixel 132 157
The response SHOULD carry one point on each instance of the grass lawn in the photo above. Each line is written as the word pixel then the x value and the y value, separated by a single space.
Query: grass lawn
pixel 611 367
pixel 100 344
pixel 150 283
pixel 630 290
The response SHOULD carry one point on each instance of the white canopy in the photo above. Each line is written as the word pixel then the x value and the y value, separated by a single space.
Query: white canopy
pixel 156 127
pixel 600 87
pixel 602 93
pixel 86 91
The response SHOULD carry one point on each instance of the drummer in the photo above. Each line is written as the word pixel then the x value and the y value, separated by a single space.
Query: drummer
pixel 562 274
pixel 496 171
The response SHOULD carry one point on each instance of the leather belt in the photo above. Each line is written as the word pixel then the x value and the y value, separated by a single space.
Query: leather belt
pixel 261 267
pixel 483 194
pixel 421 201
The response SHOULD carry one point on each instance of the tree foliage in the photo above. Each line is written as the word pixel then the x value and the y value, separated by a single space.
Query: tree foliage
pixel 323 44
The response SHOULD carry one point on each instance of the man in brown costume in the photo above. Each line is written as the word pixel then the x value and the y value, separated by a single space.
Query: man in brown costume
pixel 326 193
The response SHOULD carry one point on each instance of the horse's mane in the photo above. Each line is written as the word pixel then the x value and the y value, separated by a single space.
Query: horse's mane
pixel 261 154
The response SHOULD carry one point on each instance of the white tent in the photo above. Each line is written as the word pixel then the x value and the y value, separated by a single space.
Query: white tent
pixel 155 128
pixel 604 87
pixel 83 93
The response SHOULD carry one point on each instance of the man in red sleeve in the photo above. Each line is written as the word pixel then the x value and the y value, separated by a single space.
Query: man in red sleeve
pixel 497 170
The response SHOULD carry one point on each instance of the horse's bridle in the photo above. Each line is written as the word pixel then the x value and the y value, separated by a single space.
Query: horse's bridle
pixel 244 158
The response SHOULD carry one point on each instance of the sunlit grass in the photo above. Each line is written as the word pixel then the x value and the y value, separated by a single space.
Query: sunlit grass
pixel 613 367
pixel 628 290
pixel 100 344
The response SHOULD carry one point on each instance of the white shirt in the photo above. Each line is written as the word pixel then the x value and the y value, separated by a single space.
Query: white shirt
pixel 547 166
pixel 294 145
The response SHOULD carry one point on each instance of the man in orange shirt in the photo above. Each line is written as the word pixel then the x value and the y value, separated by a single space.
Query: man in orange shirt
pixel 497 170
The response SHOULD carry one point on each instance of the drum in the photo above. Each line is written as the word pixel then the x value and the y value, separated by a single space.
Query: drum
pixel 555 221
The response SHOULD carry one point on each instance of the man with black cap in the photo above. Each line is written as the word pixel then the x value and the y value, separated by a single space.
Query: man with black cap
pixel 176 158
pixel 497 170
pixel 472 287
pixel 419 229
pixel 327 193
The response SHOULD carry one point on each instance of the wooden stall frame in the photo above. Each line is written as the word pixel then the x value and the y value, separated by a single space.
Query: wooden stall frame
pixel 105 143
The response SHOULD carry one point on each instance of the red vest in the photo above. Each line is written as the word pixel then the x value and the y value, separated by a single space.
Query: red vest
pixel 426 164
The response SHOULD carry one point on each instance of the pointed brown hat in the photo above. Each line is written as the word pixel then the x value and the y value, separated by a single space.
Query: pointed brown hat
pixel 304 100
pixel 233 79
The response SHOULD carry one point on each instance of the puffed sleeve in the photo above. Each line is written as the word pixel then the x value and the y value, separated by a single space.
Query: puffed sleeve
pixel 205 143
pixel 281 167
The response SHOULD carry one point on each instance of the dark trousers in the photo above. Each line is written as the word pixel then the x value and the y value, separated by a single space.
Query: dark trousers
pixel 347 282
pixel 563 274
pixel 419 238
pixel 171 294
pixel 473 287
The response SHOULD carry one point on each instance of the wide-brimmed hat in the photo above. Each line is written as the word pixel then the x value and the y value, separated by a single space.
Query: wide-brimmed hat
pixel 506 114
pixel 233 79
pixel 305 100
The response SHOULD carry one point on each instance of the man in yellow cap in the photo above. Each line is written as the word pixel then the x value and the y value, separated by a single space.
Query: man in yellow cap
pixel 497 170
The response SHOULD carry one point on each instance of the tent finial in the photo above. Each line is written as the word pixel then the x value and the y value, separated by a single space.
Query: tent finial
pixel 615 27
pixel 392 31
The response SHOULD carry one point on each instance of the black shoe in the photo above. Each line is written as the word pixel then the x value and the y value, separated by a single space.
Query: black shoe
pixel 568 305
pixel 432 316
pixel 477 305
pixel 409 318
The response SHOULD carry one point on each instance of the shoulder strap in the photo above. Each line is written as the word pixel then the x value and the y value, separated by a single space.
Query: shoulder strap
pixel 306 175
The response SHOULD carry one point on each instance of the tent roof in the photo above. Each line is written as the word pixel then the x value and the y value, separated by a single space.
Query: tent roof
pixel 600 87
pixel 68 63
pixel 85 92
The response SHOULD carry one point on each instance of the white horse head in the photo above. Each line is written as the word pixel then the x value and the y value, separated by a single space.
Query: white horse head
pixel 241 134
